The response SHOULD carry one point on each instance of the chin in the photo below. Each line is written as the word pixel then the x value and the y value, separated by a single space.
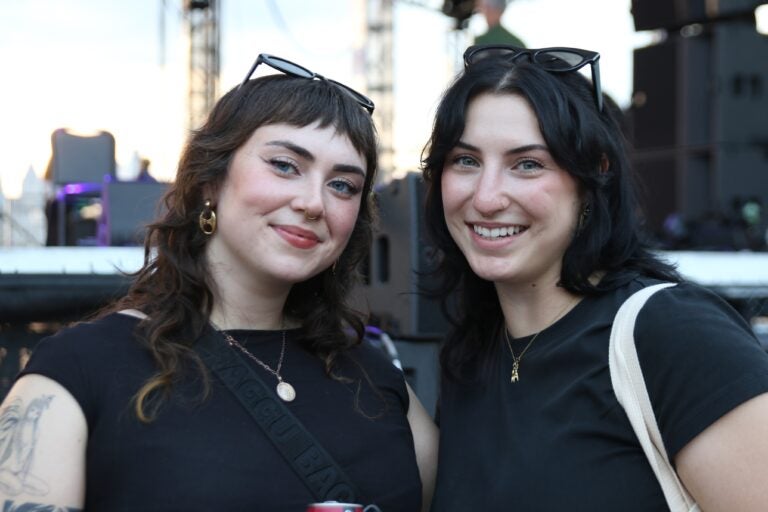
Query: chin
pixel 490 274
pixel 300 275
pixel 494 277
pixel 490 269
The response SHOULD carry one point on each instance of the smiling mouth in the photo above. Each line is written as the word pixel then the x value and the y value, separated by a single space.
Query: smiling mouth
pixel 496 233
pixel 297 237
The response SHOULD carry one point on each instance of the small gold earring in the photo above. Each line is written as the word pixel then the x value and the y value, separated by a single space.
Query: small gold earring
pixel 207 219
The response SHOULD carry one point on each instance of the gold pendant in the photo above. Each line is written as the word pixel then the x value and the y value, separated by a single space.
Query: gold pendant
pixel 515 374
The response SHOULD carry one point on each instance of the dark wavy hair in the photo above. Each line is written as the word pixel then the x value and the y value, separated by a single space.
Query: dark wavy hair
pixel 589 145
pixel 174 287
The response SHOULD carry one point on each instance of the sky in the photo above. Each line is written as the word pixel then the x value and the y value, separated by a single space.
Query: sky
pixel 91 65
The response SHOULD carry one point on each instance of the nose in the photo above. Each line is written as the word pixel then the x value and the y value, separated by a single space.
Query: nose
pixel 309 199
pixel 490 197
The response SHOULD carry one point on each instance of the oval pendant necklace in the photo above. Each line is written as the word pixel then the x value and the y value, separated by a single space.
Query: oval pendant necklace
pixel 285 391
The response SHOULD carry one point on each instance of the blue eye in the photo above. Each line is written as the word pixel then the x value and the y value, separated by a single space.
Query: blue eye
pixel 282 166
pixel 465 161
pixel 528 165
pixel 344 187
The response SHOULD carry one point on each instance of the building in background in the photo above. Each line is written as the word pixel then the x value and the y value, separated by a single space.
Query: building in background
pixel 22 220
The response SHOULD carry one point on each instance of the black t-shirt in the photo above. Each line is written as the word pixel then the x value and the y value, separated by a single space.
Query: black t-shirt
pixel 559 440
pixel 211 455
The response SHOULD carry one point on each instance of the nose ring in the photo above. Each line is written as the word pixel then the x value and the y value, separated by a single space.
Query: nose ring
pixel 310 217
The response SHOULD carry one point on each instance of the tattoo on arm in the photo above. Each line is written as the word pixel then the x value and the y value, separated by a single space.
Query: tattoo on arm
pixel 18 440
pixel 12 506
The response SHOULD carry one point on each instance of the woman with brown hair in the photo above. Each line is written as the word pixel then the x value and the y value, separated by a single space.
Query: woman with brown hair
pixel 246 273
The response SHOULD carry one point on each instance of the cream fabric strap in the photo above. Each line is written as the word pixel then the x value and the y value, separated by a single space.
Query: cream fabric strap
pixel 629 386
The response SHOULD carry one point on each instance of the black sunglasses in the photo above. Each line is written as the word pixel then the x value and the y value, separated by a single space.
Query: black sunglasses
pixel 555 60
pixel 293 69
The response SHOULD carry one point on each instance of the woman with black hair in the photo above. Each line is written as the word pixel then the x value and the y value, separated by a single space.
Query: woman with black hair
pixel 531 203
pixel 232 375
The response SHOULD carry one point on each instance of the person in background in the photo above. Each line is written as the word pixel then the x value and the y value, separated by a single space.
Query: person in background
pixel 144 176
pixel 492 11
pixel 532 206
pixel 266 225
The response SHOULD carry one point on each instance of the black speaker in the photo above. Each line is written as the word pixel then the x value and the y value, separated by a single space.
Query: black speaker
pixel 653 113
pixel 697 116
pixel 672 90
pixel 673 14
pixel 420 364
pixel 72 218
pixel 739 64
pixel 674 182
pixel 400 262
pixel 127 207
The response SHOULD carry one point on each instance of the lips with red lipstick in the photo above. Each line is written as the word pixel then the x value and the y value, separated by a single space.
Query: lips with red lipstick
pixel 297 237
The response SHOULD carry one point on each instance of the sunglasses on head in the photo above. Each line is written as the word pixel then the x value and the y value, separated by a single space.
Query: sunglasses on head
pixel 293 69
pixel 554 60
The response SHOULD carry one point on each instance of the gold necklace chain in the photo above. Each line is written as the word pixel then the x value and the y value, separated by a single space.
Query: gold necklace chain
pixel 285 391
pixel 515 375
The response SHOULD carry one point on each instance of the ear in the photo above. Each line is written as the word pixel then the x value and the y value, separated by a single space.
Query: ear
pixel 210 193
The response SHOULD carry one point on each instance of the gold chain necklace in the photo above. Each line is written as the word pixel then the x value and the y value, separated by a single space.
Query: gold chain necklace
pixel 515 375
pixel 285 391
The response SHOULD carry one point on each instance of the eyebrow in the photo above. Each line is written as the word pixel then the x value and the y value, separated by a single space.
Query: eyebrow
pixel 513 151
pixel 307 155
pixel 302 152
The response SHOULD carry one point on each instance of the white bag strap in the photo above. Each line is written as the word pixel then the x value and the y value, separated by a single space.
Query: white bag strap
pixel 629 386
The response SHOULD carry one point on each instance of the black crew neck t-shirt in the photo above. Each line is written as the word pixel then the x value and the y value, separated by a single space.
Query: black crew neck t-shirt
pixel 558 439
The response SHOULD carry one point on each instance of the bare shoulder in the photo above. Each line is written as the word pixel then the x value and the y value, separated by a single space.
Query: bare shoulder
pixel 43 435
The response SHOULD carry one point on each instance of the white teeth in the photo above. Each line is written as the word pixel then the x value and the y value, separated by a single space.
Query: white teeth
pixel 497 232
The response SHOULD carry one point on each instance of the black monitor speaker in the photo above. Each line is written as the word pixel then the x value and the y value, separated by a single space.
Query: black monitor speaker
pixel 127 207
pixel 674 14
pixel 698 121
pixel 79 158
pixel 400 261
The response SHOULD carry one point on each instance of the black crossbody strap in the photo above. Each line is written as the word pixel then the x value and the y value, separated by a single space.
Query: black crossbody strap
pixel 316 468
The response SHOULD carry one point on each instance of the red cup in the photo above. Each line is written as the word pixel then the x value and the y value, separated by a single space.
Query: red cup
pixel 334 506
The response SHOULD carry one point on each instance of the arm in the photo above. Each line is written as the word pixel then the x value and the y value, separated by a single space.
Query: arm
pixel 425 436
pixel 726 466
pixel 43 435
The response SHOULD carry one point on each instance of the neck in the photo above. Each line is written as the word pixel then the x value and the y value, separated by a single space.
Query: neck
pixel 252 321
pixel 244 298
pixel 534 310
pixel 249 311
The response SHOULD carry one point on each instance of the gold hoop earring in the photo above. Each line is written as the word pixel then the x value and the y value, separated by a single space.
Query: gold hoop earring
pixel 207 219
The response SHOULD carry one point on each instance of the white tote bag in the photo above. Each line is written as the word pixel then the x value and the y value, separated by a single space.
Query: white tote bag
pixel 629 386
